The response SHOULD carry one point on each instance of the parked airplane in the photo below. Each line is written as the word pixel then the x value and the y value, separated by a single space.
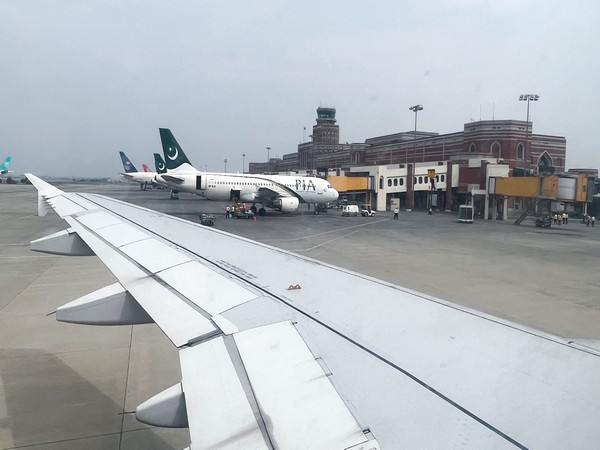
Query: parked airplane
pixel 281 192
pixel 270 361
pixel 4 167
pixel 146 177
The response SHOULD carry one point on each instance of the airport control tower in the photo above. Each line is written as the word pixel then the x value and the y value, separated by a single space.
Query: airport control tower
pixel 326 131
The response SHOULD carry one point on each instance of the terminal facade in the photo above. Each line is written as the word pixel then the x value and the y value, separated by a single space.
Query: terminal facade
pixel 423 170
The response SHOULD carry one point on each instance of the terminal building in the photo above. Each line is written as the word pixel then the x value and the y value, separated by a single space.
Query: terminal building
pixel 421 170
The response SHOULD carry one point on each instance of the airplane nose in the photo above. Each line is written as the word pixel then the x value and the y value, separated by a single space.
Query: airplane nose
pixel 335 194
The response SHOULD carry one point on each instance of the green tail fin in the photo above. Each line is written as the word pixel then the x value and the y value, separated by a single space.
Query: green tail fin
pixel 174 156
pixel 159 163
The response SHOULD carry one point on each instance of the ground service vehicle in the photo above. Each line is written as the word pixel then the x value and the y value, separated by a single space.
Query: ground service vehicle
pixel 350 210
pixel 465 213
pixel 544 221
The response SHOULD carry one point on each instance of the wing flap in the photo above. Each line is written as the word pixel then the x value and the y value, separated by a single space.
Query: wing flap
pixel 218 410
pixel 294 392
pixel 263 388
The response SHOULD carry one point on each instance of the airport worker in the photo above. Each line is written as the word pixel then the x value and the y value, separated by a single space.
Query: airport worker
pixel 396 211
pixel 227 211
pixel 593 220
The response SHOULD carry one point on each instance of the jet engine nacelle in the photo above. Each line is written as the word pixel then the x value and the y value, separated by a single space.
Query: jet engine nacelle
pixel 287 204
pixel 251 197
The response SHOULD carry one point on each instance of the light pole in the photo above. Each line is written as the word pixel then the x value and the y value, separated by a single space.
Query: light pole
pixel 243 162
pixel 410 179
pixel 414 109
pixel 528 98
pixel 225 161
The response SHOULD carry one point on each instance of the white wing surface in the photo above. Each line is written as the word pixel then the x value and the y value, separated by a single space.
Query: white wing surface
pixel 270 360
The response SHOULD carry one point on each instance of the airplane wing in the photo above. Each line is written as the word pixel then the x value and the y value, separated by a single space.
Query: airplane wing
pixel 172 178
pixel 282 351
pixel 274 190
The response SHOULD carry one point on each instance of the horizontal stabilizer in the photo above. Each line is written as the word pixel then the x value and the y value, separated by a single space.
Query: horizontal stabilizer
pixel 166 409
pixel 111 305
pixel 65 242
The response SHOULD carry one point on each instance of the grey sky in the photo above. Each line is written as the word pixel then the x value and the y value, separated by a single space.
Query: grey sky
pixel 82 79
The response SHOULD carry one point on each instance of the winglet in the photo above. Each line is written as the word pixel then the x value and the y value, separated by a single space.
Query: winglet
pixel 45 191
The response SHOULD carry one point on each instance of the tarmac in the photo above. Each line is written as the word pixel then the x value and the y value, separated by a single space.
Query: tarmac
pixel 65 386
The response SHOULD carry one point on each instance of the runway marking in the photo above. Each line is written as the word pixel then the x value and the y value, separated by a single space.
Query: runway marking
pixel 126 384
pixel 29 257
pixel 326 242
pixel 329 232
pixel 30 284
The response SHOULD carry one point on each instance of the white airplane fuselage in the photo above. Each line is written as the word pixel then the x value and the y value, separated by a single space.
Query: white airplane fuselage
pixel 253 188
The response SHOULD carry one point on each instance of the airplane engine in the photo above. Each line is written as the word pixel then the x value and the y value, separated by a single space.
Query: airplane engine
pixel 287 204
pixel 251 197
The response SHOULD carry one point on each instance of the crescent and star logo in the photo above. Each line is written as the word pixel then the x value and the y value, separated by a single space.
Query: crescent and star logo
pixel 175 155
pixel 161 166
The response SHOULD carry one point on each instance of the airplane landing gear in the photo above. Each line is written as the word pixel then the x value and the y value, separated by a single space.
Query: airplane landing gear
pixel 262 212
pixel 253 209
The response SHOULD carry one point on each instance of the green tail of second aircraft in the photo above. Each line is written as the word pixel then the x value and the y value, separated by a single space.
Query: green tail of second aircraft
pixel 159 164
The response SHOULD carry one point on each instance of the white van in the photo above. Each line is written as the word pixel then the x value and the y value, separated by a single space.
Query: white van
pixel 350 210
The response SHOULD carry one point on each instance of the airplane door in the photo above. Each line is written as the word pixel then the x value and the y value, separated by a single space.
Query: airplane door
pixel 200 183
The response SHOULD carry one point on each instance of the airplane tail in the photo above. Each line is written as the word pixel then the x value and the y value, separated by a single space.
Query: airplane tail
pixel 127 165
pixel 145 167
pixel 5 165
pixel 174 156
pixel 159 163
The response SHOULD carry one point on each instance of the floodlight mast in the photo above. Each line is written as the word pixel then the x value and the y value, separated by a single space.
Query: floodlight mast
pixel 527 98
pixel 414 109
pixel 409 182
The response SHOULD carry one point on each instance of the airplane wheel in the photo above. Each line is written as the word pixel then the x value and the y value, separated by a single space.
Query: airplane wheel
pixel 253 209
pixel 262 212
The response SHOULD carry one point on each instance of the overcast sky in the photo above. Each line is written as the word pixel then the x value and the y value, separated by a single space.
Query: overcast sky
pixel 82 79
